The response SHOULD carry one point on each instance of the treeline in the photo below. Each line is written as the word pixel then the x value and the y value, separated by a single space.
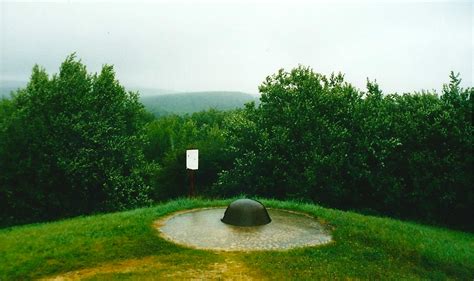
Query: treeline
pixel 167 140
pixel 318 138
pixel 77 143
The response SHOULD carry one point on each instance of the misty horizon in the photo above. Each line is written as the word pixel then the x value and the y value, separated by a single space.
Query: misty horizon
pixel 211 46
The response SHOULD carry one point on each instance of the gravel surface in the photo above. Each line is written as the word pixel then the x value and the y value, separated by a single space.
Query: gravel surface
pixel 203 229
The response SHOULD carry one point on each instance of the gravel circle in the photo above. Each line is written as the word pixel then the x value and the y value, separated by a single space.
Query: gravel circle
pixel 203 229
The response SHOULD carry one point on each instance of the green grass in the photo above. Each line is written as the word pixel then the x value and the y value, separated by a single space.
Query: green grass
pixel 365 247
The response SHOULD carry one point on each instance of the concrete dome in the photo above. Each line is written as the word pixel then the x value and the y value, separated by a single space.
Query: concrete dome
pixel 246 212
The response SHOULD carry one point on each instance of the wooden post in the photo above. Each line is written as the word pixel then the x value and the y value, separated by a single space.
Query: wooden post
pixel 192 192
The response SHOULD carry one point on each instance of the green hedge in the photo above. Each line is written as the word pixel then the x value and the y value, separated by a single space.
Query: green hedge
pixel 319 138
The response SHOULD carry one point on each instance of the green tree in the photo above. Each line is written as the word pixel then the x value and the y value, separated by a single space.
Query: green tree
pixel 169 137
pixel 296 142
pixel 72 145
pixel 317 138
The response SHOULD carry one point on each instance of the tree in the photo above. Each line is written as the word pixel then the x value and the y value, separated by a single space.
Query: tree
pixel 72 145
pixel 317 138
pixel 167 140
pixel 294 144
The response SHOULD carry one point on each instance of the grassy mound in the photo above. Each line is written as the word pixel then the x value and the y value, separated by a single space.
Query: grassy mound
pixel 125 245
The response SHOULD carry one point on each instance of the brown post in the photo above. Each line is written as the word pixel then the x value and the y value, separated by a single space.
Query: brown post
pixel 191 182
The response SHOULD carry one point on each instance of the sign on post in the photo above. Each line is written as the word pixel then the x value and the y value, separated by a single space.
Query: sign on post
pixel 192 159
pixel 192 163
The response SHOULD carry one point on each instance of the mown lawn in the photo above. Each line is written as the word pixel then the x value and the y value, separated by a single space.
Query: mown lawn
pixel 126 246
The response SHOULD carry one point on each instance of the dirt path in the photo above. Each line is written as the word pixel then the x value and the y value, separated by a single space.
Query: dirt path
pixel 150 268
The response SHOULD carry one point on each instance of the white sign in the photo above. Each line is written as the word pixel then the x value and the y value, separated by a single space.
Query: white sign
pixel 192 157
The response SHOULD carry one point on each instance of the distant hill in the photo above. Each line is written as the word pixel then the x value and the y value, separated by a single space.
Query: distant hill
pixel 144 92
pixel 7 86
pixel 163 102
pixel 182 103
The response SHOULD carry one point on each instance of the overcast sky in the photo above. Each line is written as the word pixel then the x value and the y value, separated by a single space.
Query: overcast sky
pixel 197 46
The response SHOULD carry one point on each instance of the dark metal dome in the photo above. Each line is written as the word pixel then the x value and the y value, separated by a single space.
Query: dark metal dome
pixel 246 212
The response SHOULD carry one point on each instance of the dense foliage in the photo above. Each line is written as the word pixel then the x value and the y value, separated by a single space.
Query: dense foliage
pixel 169 137
pixel 76 143
pixel 318 138
pixel 70 144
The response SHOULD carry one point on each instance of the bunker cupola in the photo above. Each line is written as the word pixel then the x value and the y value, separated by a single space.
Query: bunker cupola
pixel 246 212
